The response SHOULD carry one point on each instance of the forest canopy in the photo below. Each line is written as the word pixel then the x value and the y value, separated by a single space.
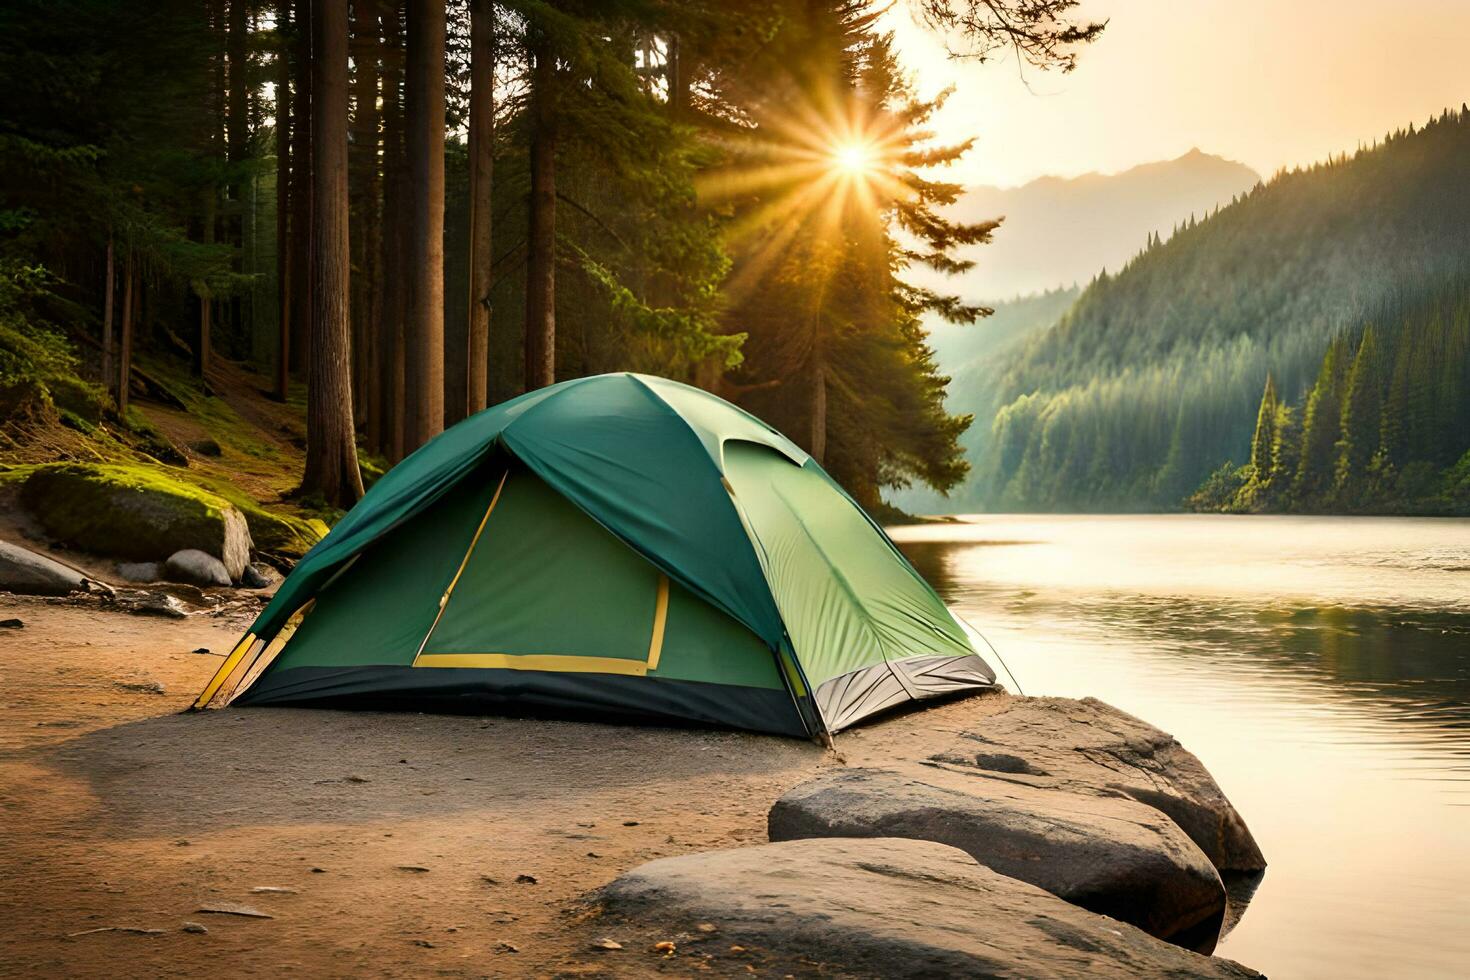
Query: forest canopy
pixel 396 212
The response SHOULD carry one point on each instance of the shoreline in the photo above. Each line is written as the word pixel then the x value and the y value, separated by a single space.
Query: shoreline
pixel 380 843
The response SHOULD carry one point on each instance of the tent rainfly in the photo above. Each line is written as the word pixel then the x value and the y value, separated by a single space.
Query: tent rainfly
pixel 619 546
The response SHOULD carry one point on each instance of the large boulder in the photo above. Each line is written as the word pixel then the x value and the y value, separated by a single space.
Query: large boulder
pixel 135 512
pixel 25 572
pixel 885 908
pixel 1093 748
pixel 1112 856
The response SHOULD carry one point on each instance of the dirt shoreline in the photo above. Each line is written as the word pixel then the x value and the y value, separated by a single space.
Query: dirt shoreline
pixel 402 838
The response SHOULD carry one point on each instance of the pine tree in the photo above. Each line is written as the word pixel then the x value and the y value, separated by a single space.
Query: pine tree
pixel 424 328
pixel 1320 427
pixel 331 447
pixel 1362 407
pixel 1265 435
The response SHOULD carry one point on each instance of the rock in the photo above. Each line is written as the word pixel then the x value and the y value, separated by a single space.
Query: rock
pixel 12 624
pixel 606 944
pixel 155 604
pixel 140 571
pixel 1111 856
pixel 526 879
pixel 283 535
pixel 27 573
pixel 256 576
pixel 196 568
pixel 1093 748
pixel 194 927
pixel 135 512
pixel 205 447
pixel 891 908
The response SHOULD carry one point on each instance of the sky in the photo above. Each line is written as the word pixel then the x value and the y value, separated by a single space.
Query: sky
pixel 1270 83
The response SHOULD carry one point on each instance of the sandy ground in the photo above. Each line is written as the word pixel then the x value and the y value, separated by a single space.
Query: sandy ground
pixel 395 844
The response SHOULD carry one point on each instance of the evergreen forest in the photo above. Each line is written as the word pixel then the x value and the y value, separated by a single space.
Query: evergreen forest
pixel 1344 283
pixel 384 215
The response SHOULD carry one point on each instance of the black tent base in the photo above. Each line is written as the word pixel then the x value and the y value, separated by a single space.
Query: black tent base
pixel 577 696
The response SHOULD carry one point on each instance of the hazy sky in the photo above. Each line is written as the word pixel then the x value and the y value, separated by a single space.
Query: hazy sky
pixel 1266 82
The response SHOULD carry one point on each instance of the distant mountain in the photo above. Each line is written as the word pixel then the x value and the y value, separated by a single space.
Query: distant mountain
pixel 1154 376
pixel 1063 231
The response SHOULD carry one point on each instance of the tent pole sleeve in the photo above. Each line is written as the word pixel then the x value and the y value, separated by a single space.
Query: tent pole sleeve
pixel 444 599
pixel 660 618
pixel 210 689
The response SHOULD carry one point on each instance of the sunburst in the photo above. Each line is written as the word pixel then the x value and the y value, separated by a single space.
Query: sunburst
pixel 808 170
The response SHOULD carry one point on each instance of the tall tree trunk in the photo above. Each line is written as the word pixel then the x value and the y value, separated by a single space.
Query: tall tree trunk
pixel 394 238
pixel 107 317
pixel 284 242
pixel 237 142
pixel 541 237
pixel 301 170
pixel 331 447
pixel 482 162
pixel 364 187
pixel 425 328
pixel 206 296
pixel 678 70
pixel 818 447
pixel 125 349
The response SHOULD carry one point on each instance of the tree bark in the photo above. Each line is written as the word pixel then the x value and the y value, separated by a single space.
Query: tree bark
pixel 541 236
pixel 237 145
pixel 125 351
pixel 331 448
pixel 107 317
pixel 206 297
pixel 284 243
pixel 394 237
pixel 364 188
pixel 818 447
pixel 301 178
pixel 425 328
pixel 482 162
pixel 678 79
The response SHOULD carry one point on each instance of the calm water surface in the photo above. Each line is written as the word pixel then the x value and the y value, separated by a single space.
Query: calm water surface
pixel 1320 667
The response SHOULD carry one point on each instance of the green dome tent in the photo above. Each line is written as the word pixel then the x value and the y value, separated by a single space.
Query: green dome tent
pixel 617 546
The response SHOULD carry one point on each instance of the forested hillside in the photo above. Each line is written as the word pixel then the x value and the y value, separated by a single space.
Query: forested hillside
pixel 1385 427
pixel 969 354
pixel 1155 375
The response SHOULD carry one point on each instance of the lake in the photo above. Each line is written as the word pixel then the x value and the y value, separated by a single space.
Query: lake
pixel 1318 666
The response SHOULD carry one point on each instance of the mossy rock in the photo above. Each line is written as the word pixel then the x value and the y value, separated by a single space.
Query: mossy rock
pixel 25 400
pixel 86 401
pixel 281 534
pixel 277 533
pixel 134 512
